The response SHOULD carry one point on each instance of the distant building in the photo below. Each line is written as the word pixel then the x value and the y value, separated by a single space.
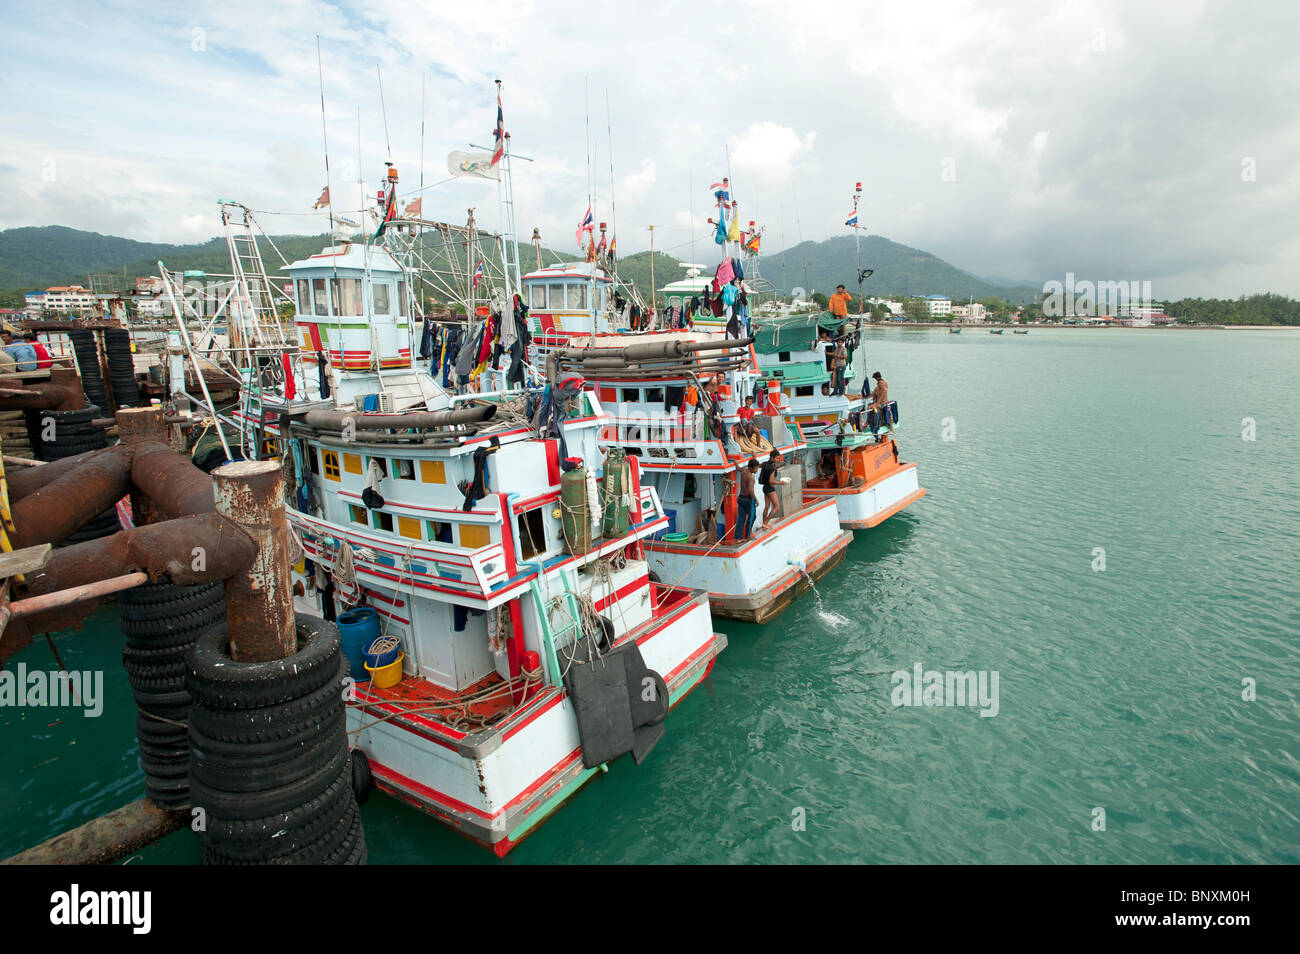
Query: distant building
pixel 972 312
pixel 34 304
pixel 889 304
pixel 938 305
pixel 69 299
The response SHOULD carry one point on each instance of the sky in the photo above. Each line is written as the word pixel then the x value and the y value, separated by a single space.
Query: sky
pixel 1119 141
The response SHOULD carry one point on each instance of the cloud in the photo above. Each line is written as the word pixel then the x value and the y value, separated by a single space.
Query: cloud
pixel 1022 139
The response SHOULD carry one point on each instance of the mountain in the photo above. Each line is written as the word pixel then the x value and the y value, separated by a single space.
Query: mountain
pixel 898 271
pixel 33 258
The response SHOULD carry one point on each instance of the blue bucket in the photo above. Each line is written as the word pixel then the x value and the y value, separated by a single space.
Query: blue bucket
pixel 358 628
pixel 377 660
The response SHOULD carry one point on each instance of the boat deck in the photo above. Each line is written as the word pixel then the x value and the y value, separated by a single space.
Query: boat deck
pixel 479 704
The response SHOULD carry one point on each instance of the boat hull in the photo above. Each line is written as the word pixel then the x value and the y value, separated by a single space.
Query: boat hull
pixel 496 786
pixel 758 578
pixel 870 486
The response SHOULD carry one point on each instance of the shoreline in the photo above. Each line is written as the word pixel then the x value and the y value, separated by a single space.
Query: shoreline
pixel 987 325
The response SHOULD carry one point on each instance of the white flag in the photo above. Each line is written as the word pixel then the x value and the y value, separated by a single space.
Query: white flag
pixel 476 165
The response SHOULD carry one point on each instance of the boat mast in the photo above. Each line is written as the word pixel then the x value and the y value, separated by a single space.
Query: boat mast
pixel 857 238
pixel 503 184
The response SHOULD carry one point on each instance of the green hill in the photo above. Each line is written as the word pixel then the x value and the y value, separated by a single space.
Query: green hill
pixel 899 271
pixel 34 258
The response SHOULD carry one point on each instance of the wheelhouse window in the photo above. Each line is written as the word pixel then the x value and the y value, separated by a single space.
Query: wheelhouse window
pixel 304 297
pixel 318 294
pixel 334 296
pixel 379 297
pixel 575 295
pixel 351 303
pixel 405 468
pixel 401 298
pixel 531 528
pixel 536 296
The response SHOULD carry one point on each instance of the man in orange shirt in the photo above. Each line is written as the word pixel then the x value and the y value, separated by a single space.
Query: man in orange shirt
pixel 840 302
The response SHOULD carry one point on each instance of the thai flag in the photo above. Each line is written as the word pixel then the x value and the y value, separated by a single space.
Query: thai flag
pixel 852 220
pixel 585 226
pixel 499 137
pixel 478 273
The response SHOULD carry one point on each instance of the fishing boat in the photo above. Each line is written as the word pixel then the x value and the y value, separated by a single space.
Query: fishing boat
pixel 850 455
pixel 488 533
pixel 677 396
pixel 954 331
pixel 996 331
pixel 1020 331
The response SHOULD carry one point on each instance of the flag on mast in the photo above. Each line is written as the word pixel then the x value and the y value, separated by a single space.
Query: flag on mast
pixel 324 199
pixel 499 137
pixel 478 273
pixel 413 208
pixel 584 226
pixel 852 220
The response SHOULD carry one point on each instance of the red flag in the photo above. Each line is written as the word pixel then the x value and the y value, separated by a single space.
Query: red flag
pixel 413 208
pixel 500 135
pixel 324 199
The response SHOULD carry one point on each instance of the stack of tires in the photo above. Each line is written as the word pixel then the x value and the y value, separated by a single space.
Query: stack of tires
pixel 83 345
pixel 59 434
pixel 269 763
pixel 71 433
pixel 162 622
pixel 121 367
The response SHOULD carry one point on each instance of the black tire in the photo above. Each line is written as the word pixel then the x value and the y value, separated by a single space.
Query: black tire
pixel 340 840
pixel 285 720
pixel 271 801
pixel 219 682
pixel 288 740
pixel 186 626
pixel 158 679
pixel 164 591
pixel 188 599
pixel 162 734
pixel 301 824
pixel 654 577
pixel 266 771
pixel 363 779
pixel 80 416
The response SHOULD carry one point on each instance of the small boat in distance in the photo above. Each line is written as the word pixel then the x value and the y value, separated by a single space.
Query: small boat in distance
pixel 954 331
pixel 1020 331
pixel 996 331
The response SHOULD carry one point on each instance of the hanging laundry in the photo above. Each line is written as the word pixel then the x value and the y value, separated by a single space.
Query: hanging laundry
pixel 323 367
pixel 726 272
pixel 720 236
pixel 290 388
pixel 733 229
pixel 476 488
pixel 370 496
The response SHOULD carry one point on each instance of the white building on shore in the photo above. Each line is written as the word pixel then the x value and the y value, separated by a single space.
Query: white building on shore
pixel 938 305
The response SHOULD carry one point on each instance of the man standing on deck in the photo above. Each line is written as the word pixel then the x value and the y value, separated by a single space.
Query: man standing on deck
pixel 840 302
pixel 839 358
pixel 748 503
pixel 769 479
pixel 879 399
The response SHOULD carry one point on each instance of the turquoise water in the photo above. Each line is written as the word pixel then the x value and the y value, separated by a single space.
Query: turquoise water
pixel 1118 689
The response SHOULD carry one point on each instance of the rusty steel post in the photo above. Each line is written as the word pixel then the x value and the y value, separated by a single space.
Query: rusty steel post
pixel 259 602
pixel 137 425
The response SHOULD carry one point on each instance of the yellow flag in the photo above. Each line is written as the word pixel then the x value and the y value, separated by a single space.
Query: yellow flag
pixel 733 230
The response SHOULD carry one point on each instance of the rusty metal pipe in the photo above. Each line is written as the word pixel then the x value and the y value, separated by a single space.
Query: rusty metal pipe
pixel 77 496
pixel 106 839
pixel 259 601
pixel 75 594
pixel 174 486
pixel 332 420
pixel 191 550
pixel 32 479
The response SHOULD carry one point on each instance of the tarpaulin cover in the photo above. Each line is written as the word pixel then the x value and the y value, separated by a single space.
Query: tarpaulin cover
pixel 793 332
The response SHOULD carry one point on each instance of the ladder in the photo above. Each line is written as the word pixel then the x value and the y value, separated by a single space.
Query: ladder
pixel 254 312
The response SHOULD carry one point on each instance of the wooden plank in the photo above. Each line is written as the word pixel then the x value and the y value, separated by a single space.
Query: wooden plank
pixel 25 560
pixel 107 839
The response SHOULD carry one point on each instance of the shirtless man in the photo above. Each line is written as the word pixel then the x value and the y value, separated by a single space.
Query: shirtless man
pixel 879 398
pixel 769 479
pixel 747 501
